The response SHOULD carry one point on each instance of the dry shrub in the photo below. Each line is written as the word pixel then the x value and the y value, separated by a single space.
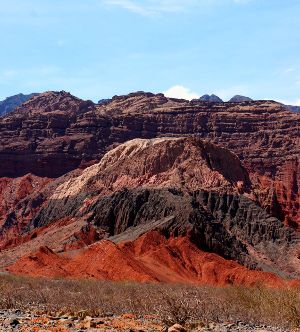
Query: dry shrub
pixel 171 303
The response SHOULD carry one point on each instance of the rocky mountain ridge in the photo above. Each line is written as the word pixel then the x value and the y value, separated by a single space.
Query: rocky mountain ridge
pixel 9 104
pixel 81 132
pixel 223 175
pixel 61 130
pixel 178 186
pixel 239 99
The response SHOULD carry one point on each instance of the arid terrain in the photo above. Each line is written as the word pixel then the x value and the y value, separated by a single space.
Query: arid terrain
pixel 68 305
pixel 149 189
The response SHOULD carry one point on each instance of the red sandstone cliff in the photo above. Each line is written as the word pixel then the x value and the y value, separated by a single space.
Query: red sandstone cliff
pixel 219 200
pixel 54 133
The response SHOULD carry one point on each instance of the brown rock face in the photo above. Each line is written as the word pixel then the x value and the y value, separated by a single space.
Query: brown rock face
pixel 13 192
pixel 56 132
pixel 185 163
pixel 183 186
pixel 227 189
pixel 263 134
pixel 35 138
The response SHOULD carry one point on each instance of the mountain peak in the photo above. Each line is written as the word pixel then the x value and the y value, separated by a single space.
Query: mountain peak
pixel 51 101
pixel 239 99
pixel 9 104
pixel 211 98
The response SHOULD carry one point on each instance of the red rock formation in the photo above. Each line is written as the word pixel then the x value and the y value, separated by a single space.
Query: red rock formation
pixel 174 178
pixel 14 190
pixel 152 257
pixel 56 132
pixel 184 163
pixel 281 195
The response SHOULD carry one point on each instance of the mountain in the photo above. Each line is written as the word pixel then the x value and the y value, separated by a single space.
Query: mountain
pixel 11 103
pixel 294 108
pixel 181 188
pixel 57 128
pixel 217 178
pixel 239 99
pixel 104 101
pixel 211 99
pixel 55 133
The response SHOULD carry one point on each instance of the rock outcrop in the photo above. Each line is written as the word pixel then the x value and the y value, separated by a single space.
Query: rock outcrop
pixel 226 177
pixel 184 186
pixel 12 193
pixel 239 99
pixel 151 258
pixel 11 103
pixel 35 139
pixel 55 133
pixel 211 99
pixel 186 164
pixel 61 130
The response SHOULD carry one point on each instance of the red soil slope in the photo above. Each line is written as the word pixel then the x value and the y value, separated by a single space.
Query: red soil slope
pixel 151 258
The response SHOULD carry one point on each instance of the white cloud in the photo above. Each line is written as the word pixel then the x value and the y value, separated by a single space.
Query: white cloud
pixel 228 93
pixel 241 1
pixel 131 6
pixel 289 102
pixel 181 92
pixel 288 70
pixel 156 7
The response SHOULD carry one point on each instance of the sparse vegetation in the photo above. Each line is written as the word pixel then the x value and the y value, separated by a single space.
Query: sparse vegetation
pixel 171 303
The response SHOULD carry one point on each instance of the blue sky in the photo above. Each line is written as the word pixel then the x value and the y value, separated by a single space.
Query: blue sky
pixel 98 48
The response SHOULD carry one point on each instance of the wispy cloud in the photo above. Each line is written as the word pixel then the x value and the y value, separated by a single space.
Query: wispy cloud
pixel 131 6
pixel 288 70
pixel 156 7
pixel 181 92
pixel 41 71
pixel 152 7
pixel 241 1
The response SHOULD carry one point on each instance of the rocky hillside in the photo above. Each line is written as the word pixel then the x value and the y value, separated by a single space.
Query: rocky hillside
pixel 239 99
pixel 11 103
pixel 176 186
pixel 80 131
pixel 211 99
pixel 55 133
pixel 152 258
pixel 59 127
pixel 294 108
pixel 224 177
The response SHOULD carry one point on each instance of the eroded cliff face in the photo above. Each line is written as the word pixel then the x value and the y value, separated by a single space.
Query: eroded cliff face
pixel 226 177
pixel 182 186
pixel 35 138
pixel 187 164
pixel 55 133
pixel 58 128
pixel 14 190
pixel 281 195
